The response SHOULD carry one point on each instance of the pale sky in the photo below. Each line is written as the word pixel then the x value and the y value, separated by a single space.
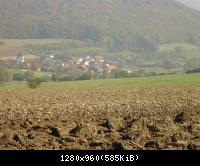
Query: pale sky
pixel 192 3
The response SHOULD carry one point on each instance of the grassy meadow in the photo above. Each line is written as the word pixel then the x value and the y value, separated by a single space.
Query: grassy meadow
pixel 156 81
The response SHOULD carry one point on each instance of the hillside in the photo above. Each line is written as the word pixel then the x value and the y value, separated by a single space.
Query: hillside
pixel 115 24
pixel 192 3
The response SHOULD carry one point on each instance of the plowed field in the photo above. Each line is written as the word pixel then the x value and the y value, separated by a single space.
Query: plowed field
pixel 109 119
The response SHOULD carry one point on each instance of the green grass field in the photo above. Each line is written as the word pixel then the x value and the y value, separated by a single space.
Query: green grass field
pixel 157 81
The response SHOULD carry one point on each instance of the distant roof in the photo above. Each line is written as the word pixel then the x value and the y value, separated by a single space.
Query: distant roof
pixel 110 67
pixel 99 57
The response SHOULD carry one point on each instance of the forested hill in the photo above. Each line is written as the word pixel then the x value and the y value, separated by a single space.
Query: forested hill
pixel 120 21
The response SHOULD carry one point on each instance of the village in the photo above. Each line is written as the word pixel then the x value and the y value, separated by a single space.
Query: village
pixel 96 65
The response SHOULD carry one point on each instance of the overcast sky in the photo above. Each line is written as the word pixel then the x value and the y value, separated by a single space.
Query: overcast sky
pixel 192 3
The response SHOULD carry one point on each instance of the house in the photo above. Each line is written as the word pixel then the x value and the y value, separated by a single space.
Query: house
pixel 99 59
pixel 127 71
pixel 50 55
pixel 79 61
pixel 99 70
pixel 88 59
pixel 87 63
pixel 109 68
pixel 29 66
pixel 83 67
pixel 71 65
pixel 44 67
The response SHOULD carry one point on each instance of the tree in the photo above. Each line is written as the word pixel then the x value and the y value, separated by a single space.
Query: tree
pixel 5 73
pixel 118 42
pixel 168 64
pixel 85 76
pixel 45 78
pixel 141 73
pixel 91 33
pixel 18 76
pixel 33 83
pixel 108 44
pixel 145 44
pixel 29 75
pixel 56 77
pixel 193 39
pixel 121 74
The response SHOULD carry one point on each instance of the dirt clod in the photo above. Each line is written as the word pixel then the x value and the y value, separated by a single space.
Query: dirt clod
pixel 192 147
pixel 152 144
pixel 55 131
pixel 181 118
pixel 115 123
pixel 31 136
pixel 17 138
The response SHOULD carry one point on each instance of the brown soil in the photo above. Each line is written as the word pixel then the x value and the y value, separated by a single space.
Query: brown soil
pixel 10 54
pixel 109 119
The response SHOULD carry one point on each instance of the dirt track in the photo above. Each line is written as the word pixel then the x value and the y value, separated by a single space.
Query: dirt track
pixel 156 118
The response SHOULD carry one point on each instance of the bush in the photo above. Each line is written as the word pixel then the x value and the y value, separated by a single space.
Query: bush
pixel 45 78
pixel 60 77
pixel 5 72
pixel 151 73
pixel 141 73
pixel 193 71
pixel 85 76
pixel 121 74
pixel 18 76
pixel 57 77
pixel 29 75
pixel 34 83
pixel 107 75
pixel 69 78
pixel 5 75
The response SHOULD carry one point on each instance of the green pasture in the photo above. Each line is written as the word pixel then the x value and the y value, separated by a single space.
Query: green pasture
pixel 156 81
